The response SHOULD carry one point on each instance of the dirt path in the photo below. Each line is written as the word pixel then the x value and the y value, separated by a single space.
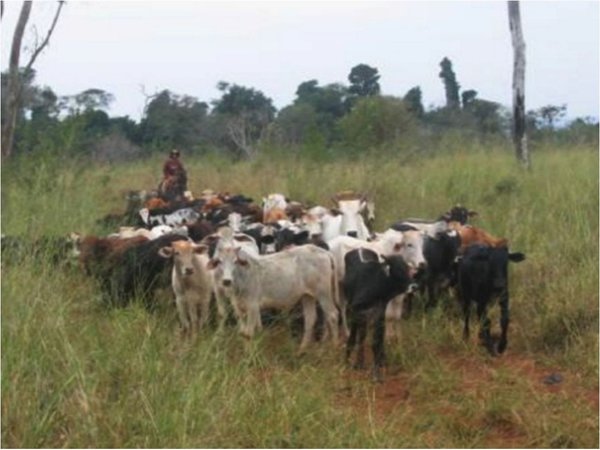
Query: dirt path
pixel 475 375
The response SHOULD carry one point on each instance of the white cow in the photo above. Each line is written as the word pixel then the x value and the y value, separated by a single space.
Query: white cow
pixel 192 283
pixel 301 274
pixel 345 220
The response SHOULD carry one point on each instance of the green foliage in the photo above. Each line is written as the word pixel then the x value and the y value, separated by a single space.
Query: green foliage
pixel 377 121
pixel 364 81
pixel 172 120
pixel 329 103
pixel 296 123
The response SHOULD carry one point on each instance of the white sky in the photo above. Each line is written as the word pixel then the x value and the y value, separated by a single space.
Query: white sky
pixel 273 46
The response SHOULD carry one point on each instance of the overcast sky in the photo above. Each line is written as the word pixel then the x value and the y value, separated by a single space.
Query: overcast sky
pixel 187 47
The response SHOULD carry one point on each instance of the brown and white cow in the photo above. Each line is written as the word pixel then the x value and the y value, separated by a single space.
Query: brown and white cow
pixel 192 283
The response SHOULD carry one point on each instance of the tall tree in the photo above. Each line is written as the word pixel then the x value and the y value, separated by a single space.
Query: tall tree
pixel 14 87
pixel 450 84
pixel 364 81
pixel 518 85
pixel 414 101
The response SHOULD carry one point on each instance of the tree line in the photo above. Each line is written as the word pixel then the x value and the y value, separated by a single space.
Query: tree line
pixel 339 118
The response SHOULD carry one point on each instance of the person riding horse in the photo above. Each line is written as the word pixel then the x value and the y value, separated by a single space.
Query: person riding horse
pixel 174 182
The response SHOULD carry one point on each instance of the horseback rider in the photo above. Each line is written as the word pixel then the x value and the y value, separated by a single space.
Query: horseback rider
pixel 174 182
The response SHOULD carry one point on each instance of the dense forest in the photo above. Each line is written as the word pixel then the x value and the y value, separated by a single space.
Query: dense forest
pixel 334 119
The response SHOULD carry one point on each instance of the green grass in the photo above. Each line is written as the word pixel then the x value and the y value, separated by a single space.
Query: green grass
pixel 76 374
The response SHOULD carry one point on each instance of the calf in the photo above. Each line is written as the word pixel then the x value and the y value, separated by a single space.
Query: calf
pixel 191 282
pixel 440 253
pixel 369 285
pixel 279 281
pixel 482 275
pixel 408 244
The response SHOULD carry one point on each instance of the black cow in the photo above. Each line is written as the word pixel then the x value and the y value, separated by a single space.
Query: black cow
pixel 369 285
pixel 140 270
pixel 440 252
pixel 483 275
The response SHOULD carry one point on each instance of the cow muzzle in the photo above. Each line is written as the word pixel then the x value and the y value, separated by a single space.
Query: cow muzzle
pixel 188 271
pixel 226 283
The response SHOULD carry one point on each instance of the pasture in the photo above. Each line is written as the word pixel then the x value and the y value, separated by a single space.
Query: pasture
pixel 77 374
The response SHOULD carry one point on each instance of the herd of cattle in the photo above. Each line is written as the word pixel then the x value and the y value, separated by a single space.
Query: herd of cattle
pixel 251 258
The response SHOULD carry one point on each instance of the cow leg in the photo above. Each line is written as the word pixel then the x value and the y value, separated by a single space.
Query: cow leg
pixel 343 305
pixel 392 316
pixel 183 314
pixel 331 318
pixel 309 309
pixel 204 308
pixel 504 321
pixel 362 318
pixel 466 313
pixel 484 324
pixel 351 342
pixel 378 345
pixel 221 309
pixel 192 310
pixel 431 294
pixel 253 322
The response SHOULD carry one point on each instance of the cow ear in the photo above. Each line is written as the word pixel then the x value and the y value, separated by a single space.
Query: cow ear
pixel 335 211
pixel 516 257
pixel 166 252
pixel 212 264
pixel 242 262
pixel 200 249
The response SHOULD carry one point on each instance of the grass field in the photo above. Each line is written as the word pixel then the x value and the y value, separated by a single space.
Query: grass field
pixel 76 374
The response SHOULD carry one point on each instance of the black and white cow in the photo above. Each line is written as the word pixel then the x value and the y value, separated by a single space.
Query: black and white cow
pixel 175 219
pixel 483 275
pixel 369 285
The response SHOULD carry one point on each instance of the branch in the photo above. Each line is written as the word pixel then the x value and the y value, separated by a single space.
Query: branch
pixel 44 43
pixel 147 97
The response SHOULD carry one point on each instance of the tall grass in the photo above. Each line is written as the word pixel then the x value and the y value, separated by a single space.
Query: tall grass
pixel 76 374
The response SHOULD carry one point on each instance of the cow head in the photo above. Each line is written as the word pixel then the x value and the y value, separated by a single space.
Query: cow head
pixel 459 214
pixel 267 240
pixel 411 249
pixel 351 210
pixel 274 201
pixel 183 253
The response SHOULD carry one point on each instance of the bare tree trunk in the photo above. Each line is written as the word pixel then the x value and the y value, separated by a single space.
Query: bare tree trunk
pixel 519 129
pixel 13 86
pixel 13 89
